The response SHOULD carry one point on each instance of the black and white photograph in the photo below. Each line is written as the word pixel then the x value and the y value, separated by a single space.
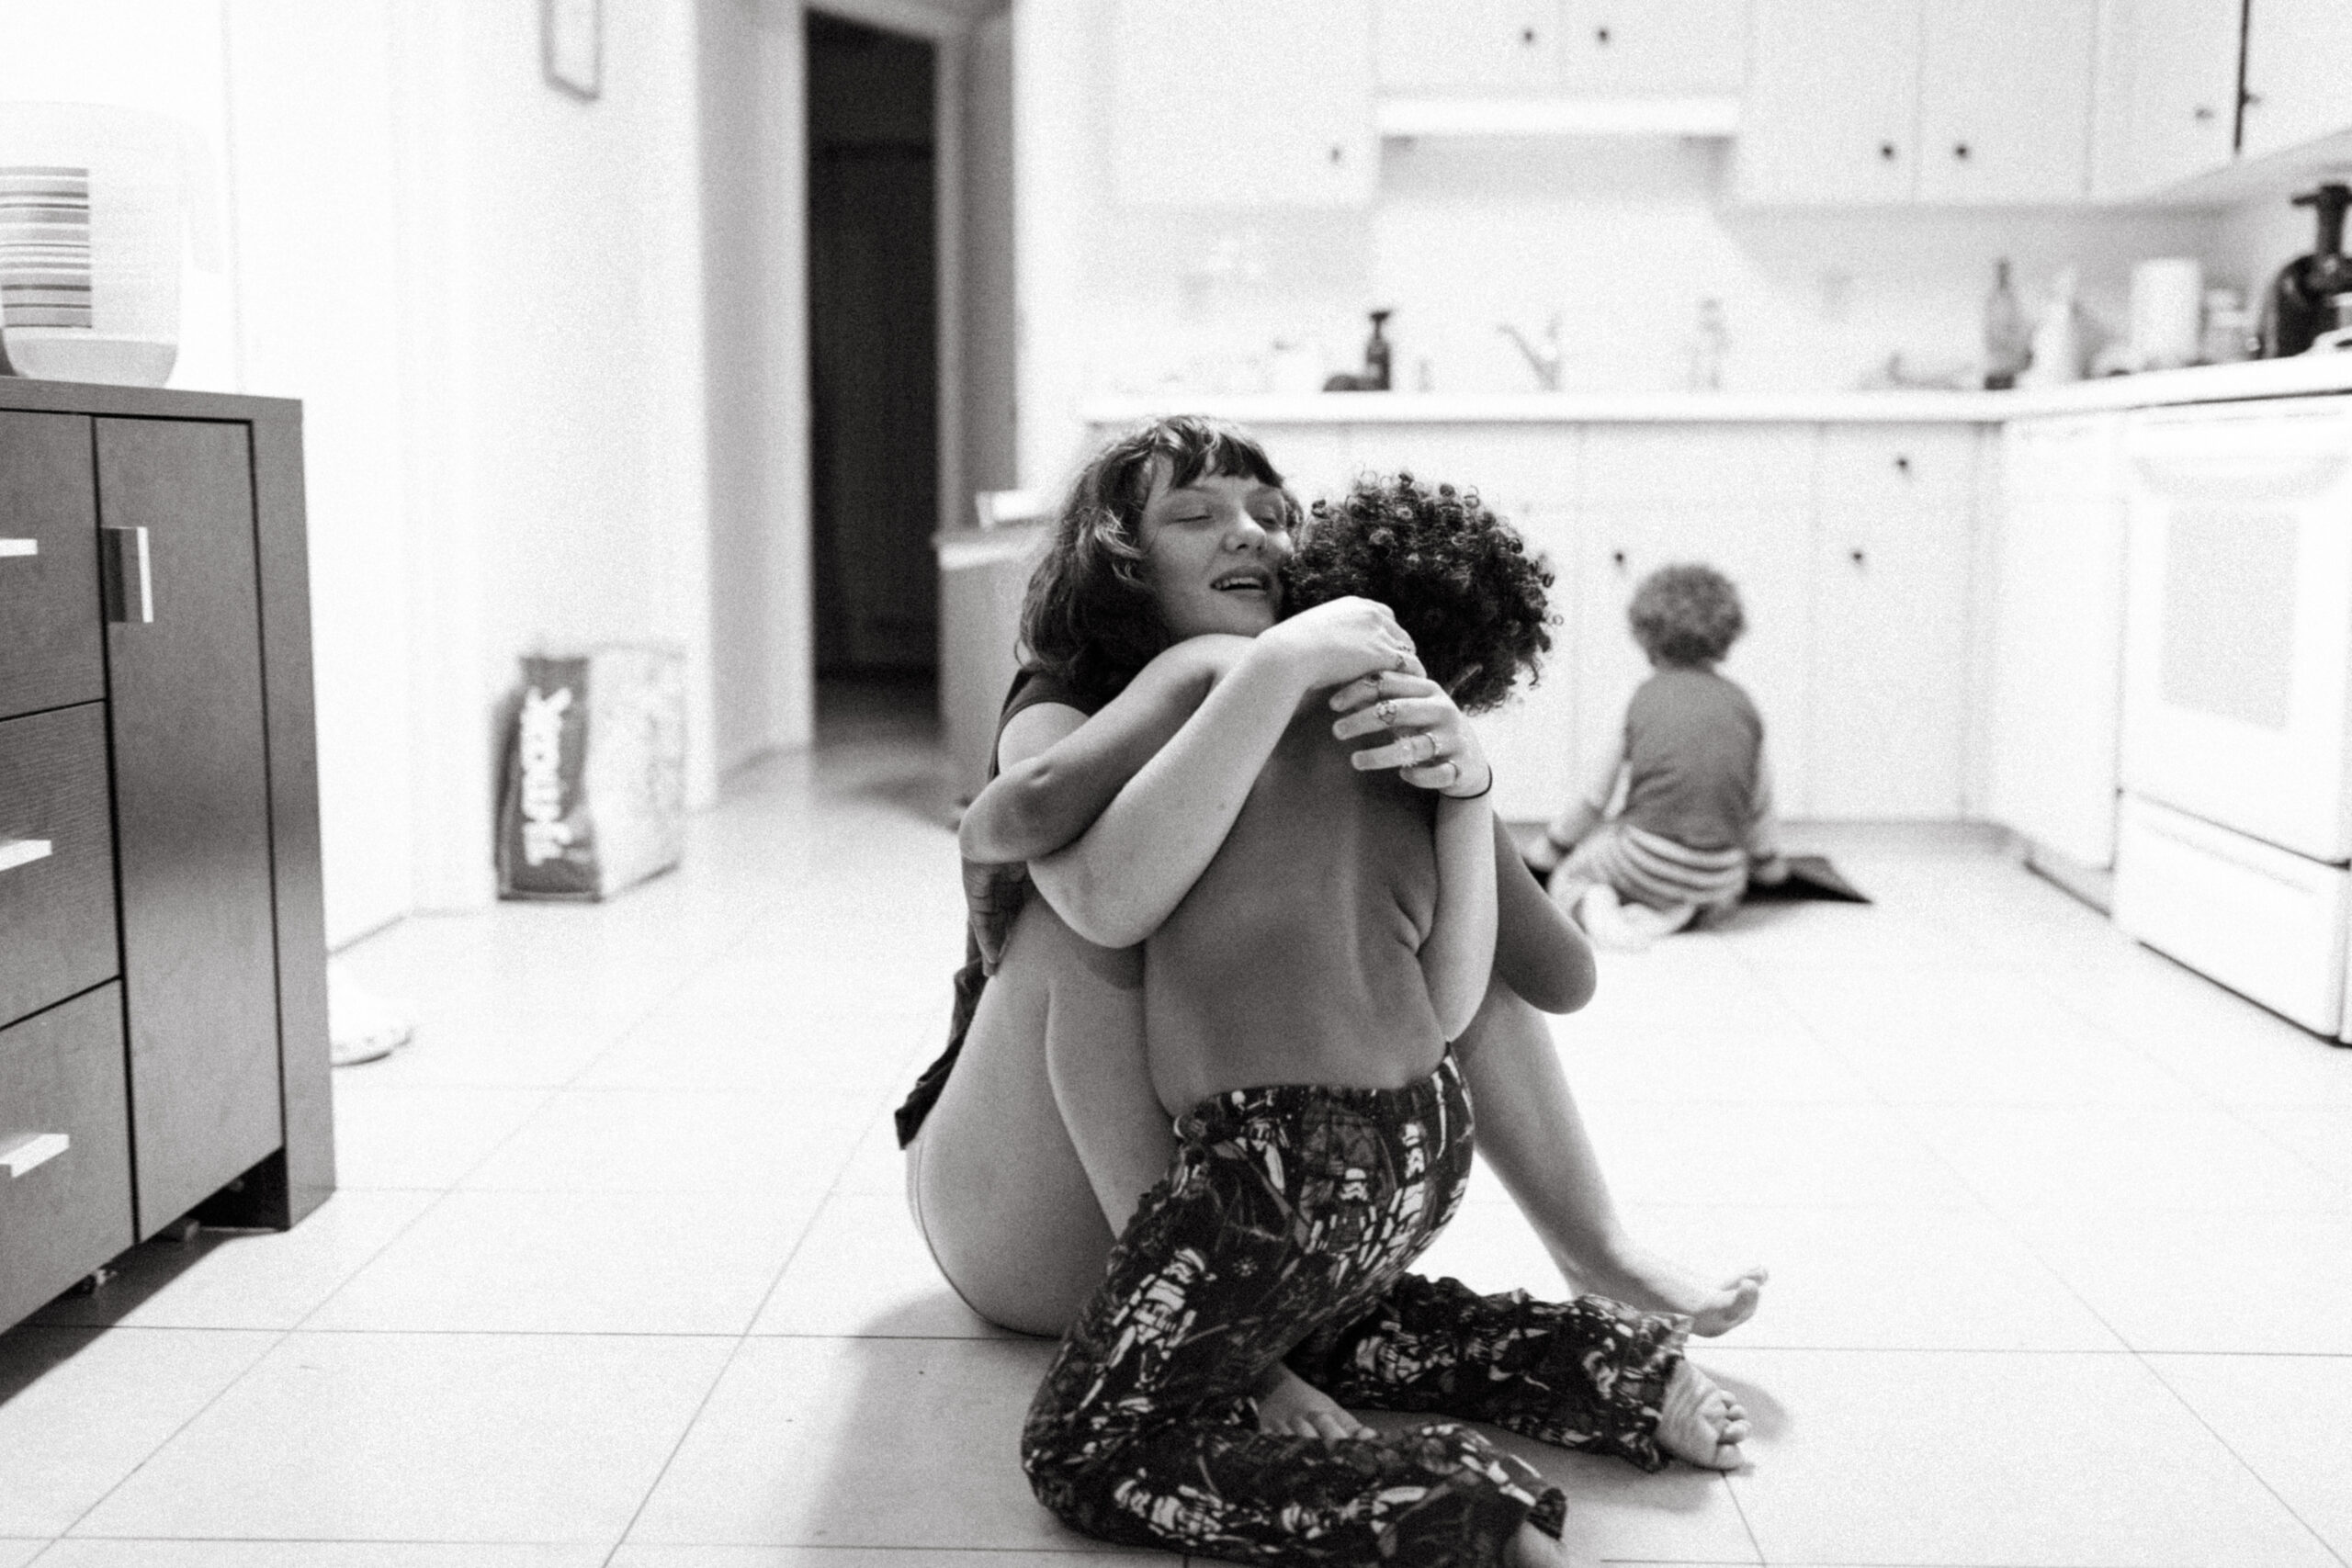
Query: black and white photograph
pixel 1078 784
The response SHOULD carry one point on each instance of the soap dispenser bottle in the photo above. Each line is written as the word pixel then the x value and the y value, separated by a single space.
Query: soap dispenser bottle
pixel 1376 355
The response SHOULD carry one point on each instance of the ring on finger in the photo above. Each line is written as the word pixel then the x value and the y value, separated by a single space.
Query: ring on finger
pixel 1385 710
pixel 1436 749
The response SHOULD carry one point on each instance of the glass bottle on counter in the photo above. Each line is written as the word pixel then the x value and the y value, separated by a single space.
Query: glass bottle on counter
pixel 1375 355
pixel 2008 340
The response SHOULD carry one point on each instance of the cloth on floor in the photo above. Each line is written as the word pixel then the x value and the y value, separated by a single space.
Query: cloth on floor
pixel 1810 876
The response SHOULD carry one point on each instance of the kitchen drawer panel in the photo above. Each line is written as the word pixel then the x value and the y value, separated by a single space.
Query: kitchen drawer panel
pixel 49 573
pixel 57 924
pixel 65 1118
pixel 1913 470
pixel 1715 468
pixel 2268 924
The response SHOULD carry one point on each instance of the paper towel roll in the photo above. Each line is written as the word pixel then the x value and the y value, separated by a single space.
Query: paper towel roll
pixel 2167 294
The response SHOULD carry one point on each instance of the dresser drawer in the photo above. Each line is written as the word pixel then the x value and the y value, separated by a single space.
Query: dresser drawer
pixel 64 1149
pixel 49 632
pixel 57 925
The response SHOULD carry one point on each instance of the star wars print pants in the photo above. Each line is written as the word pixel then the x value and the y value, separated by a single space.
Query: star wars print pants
pixel 1282 1233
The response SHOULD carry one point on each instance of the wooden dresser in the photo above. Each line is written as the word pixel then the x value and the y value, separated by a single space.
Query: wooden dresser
pixel 163 958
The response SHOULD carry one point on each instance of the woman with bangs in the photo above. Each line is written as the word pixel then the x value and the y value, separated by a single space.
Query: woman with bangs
pixel 1125 750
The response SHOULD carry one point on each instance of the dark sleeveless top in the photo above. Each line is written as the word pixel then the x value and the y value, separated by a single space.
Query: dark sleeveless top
pixel 993 896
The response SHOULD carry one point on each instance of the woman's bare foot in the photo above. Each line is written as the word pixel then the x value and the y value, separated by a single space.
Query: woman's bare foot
pixel 1531 1547
pixel 1701 1423
pixel 1290 1406
pixel 1641 1279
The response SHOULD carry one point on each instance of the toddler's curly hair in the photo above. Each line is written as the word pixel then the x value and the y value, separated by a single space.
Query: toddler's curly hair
pixel 1458 579
pixel 1686 614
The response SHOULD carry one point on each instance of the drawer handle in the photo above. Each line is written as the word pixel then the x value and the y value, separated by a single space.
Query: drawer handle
pixel 19 547
pixel 14 852
pixel 130 584
pixel 28 1154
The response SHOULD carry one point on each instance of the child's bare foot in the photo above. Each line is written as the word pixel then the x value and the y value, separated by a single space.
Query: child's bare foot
pixel 1531 1547
pixel 1701 1423
pixel 1641 1279
pixel 1290 1406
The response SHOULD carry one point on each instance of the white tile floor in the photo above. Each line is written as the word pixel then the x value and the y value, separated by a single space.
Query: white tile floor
pixel 619 1274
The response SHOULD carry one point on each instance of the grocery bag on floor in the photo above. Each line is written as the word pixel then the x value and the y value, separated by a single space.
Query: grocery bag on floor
pixel 595 797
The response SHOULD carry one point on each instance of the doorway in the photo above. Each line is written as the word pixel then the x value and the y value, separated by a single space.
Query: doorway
pixel 874 344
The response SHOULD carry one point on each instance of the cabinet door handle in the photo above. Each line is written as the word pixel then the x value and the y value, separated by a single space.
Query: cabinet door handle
pixel 1902 463
pixel 19 547
pixel 1617 558
pixel 14 852
pixel 1886 151
pixel 1527 35
pixel 2202 112
pixel 1858 557
pixel 130 584
pixel 1960 151
pixel 28 1155
pixel 1600 36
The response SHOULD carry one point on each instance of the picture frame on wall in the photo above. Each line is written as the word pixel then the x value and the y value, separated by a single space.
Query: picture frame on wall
pixel 571 45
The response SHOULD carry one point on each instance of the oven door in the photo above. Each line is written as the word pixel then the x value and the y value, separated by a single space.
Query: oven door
pixel 2238 618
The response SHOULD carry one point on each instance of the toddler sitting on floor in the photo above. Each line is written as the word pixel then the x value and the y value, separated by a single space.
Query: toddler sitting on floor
pixel 1298 1004
pixel 1698 823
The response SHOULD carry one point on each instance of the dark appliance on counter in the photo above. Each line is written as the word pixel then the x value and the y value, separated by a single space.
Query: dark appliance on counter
pixel 2300 303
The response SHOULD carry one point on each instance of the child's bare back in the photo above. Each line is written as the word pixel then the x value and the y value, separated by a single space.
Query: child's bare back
pixel 1295 958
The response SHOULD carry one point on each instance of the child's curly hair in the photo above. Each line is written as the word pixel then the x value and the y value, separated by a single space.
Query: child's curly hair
pixel 1686 614
pixel 1458 579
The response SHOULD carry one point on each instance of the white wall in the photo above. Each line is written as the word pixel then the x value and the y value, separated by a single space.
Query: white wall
pixel 549 351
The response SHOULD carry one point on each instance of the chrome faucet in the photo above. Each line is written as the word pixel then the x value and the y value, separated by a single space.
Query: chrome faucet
pixel 1544 361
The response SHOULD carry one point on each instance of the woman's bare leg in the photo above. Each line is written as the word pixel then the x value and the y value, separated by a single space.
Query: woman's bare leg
pixel 1531 1131
pixel 994 1177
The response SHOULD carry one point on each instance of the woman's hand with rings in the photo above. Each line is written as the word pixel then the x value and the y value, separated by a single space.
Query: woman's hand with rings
pixel 1341 639
pixel 1430 745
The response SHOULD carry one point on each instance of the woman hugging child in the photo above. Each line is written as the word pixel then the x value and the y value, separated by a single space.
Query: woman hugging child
pixel 1298 1004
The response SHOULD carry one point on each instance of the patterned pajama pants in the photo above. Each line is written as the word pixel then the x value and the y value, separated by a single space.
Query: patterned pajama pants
pixel 1283 1233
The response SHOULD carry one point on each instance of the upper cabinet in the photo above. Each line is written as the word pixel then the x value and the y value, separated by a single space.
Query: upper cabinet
pixel 2169 91
pixel 1653 47
pixel 1833 95
pixel 2005 101
pixel 1948 102
pixel 1209 108
pixel 2297 73
pixel 1467 46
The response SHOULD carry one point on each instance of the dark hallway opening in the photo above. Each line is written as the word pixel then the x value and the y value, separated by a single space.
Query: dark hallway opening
pixel 874 352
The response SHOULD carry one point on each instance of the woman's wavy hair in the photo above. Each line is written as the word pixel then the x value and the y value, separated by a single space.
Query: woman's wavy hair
pixel 1089 618
pixel 1686 614
pixel 1457 577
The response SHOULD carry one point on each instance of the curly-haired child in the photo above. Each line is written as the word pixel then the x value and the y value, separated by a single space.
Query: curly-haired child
pixel 1697 825
pixel 1298 1002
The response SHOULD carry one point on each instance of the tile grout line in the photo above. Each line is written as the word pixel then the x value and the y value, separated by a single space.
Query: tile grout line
pixel 2227 1447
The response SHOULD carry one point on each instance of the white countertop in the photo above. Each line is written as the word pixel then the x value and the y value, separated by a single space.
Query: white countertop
pixel 2209 383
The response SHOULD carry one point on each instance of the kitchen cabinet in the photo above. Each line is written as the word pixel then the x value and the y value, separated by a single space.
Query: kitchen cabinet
pixel 1940 102
pixel 2168 91
pixel 1207 110
pixel 2005 102
pixel 1532 738
pixel 2296 55
pixel 1646 48
pixel 1467 46
pixel 1886 717
pixel 2054 717
pixel 1832 104
pixel 163 1012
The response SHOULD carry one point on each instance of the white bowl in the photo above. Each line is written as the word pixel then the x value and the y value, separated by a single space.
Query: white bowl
pixel 76 353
